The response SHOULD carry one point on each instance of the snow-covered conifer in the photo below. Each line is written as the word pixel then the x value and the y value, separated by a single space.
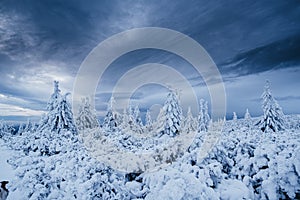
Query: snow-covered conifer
pixel 125 120
pixel 189 122
pixel 2 129
pixel 130 115
pixel 234 117
pixel 21 129
pixel 149 122
pixel 247 115
pixel 247 118
pixel 273 117
pixel 86 117
pixel 28 127
pixel 137 116
pixel 173 115
pixel 203 116
pixel 59 114
pixel 110 121
pixel 133 119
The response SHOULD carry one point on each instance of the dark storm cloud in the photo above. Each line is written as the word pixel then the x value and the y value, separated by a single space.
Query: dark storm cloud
pixel 279 54
pixel 47 29
pixel 70 29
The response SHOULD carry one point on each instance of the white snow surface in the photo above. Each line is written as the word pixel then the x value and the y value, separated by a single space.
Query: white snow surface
pixel 246 163
pixel 6 171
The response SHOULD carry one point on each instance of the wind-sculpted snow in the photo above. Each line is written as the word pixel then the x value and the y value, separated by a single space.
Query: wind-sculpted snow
pixel 244 164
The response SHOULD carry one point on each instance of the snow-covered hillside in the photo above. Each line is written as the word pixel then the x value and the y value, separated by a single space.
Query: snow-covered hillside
pixel 56 160
pixel 245 163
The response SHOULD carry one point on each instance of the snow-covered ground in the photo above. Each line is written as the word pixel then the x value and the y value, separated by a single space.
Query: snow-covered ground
pixel 7 172
pixel 245 163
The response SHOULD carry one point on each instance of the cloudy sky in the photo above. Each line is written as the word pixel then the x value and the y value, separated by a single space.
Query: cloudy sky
pixel 42 41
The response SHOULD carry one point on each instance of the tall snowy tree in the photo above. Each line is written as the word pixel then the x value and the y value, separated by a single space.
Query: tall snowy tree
pixel 189 122
pixel 172 115
pixel 3 129
pixel 29 127
pixel 110 120
pixel 203 116
pixel 21 129
pixel 86 117
pixel 247 118
pixel 125 120
pixel 149 122
pixel 273 117
pixel 136 124
pixel 4 126
pixel 247 115
pixel 234 117
pixel 137 116
pixel 130 115
pixel 59 114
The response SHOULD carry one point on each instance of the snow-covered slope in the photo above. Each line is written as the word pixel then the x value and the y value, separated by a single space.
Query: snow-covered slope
pixel 245 164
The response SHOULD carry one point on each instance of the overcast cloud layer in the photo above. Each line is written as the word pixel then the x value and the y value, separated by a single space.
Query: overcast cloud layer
pixel 42 41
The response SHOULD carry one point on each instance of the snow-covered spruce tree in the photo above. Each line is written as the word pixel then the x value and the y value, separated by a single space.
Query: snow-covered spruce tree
pixel 273 117
pixel 158 124
pixel 6 130
pixel 189 122
pixel 234 117
pixel 130 116
pixel 29 127
pixel 110 120
pixel 2 129
pixel 137 123
pixel 86 117
pixel 125 121
pixel 137 116
pixel 6 127
pixel 172 114
pixel 247 118
pixel 20 129
pixel 203 116
pixel 149 122
pixel 247 115
pixel 59 114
